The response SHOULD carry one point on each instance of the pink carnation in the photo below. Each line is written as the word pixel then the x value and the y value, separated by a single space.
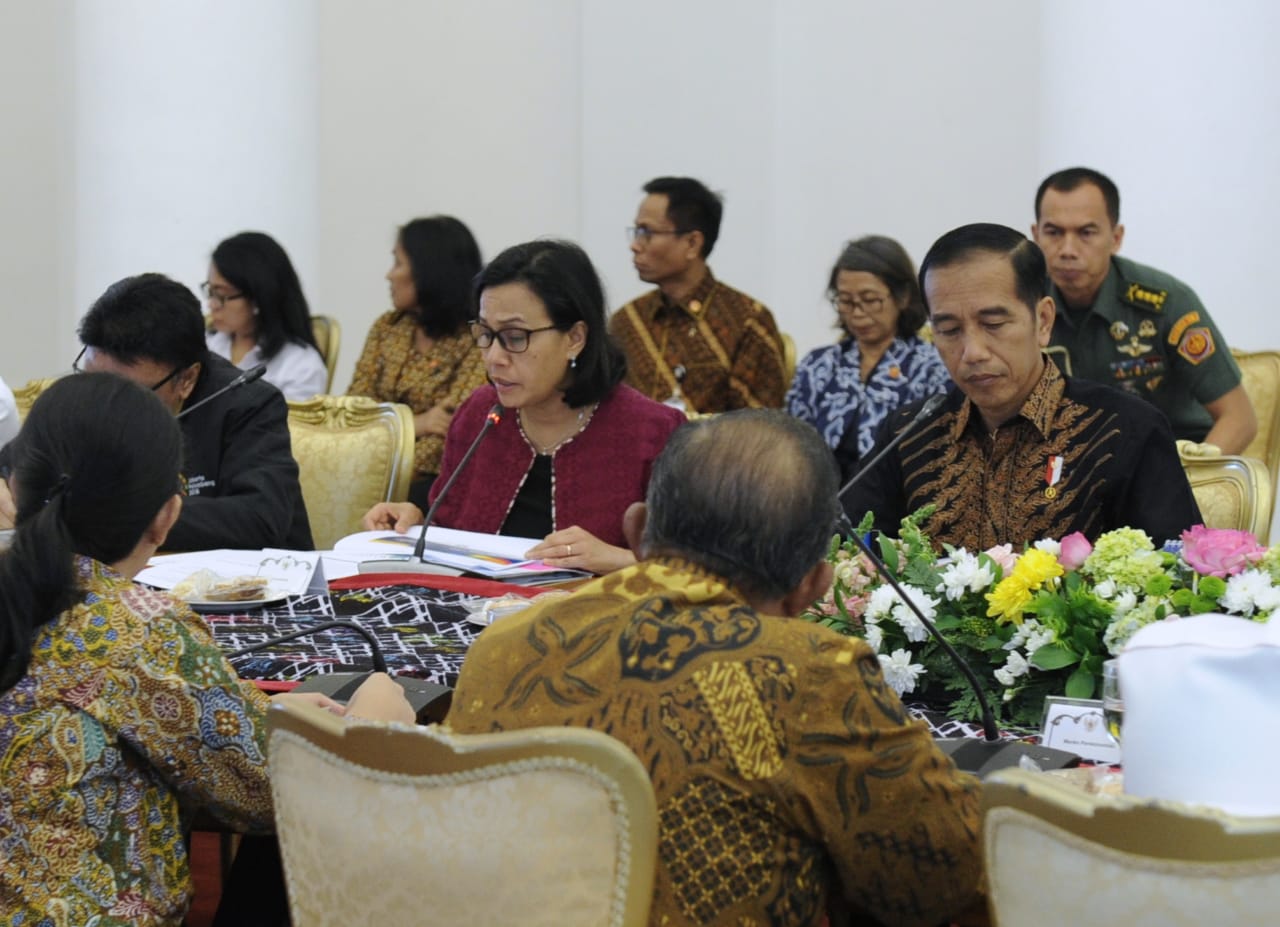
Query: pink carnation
pixel 1003 554
pixel 1073 550
pixel 1220 551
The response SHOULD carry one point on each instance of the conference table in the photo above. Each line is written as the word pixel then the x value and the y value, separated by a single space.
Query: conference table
pixel 421 624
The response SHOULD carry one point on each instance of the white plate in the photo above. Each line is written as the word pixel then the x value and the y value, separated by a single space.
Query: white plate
pixel 222 607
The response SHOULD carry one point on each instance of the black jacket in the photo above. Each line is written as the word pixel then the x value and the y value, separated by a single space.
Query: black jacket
pixel 241 478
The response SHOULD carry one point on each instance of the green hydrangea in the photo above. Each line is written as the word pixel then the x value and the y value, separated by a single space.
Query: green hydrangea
pixel 1125 556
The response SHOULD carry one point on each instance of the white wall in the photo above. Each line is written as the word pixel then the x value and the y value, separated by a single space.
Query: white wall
pixel 1180 105
pixel 470 110
pixel 36 247
pixel 819 121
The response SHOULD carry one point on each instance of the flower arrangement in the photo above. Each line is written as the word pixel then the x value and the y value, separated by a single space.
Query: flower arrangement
pixel 1037 622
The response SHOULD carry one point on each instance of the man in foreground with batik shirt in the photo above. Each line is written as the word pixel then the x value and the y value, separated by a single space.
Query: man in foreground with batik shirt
pixel 788 776
pixel 1017 452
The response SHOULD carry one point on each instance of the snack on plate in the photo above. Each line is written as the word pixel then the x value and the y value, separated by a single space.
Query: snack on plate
pixel 208 586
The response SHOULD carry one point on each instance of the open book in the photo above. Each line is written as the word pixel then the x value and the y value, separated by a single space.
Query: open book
pixel 492 556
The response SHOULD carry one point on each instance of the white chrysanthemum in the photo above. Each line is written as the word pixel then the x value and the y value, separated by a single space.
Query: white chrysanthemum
pixel 1250 591
pixel 1049 546
pixel 1125 602
pixel 882 599
pixel 911 625
pixel 964 574
pixel 873 634
pixel 899 672
pixel 1105 589
pixel 1040 637
pixel 1015 665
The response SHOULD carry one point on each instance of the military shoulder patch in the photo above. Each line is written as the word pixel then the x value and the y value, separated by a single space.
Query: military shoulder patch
pixel 1145 298
pixel 1180 326
pixel 1197 344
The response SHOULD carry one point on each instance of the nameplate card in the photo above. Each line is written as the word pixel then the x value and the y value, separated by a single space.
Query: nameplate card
pixel 1078 725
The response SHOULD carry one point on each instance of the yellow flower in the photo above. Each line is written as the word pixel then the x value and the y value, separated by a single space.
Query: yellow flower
pixel 1008 600
pixel 1036 566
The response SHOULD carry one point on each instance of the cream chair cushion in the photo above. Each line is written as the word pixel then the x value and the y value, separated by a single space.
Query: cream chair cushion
pixel 352 453
pixel 1232 492
pixel 328 335
pixel 1056 855
pixel 392 824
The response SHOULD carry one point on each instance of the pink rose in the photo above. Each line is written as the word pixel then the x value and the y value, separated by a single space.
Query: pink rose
pixel 1220 551
pixel 1003 554
pixel 1073 550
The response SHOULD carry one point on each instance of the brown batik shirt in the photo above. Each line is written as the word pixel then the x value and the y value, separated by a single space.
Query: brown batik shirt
pixel 1079 456
pixel 391 369
pixel 784 767
pixel 720 347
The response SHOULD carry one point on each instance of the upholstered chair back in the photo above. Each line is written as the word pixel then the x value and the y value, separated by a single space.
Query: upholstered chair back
pixel 328 333
pixel 1261 380
pixel 1057 855
pixel 352 452
pixel 391 824
pixel 1232 492
pixel 28 393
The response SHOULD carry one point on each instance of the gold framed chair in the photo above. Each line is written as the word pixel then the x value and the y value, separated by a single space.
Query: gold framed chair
pixel 387 824
pixel 1058 855
pixel 1232 492
pixel 1260 371
pixel 28 393
pixel 352 452
pixel 328 332
pixel 788 357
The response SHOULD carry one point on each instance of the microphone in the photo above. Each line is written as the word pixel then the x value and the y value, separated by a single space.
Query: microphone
pixel 844 526
pixel 430 701
pixel 248 376
pixel 930 405
pixel 968 753
pixel 418 564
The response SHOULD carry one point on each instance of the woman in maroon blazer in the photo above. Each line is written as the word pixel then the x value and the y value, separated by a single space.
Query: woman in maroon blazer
pixel 574 445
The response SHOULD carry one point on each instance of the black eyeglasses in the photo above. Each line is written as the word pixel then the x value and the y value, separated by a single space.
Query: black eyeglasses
pixel 869 304
pixel 513 340
pixel 216 297
pixel 76 368
pixel 641 234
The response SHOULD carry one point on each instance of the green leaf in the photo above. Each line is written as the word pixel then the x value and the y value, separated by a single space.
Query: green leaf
pixel 1054 656
pixel 889 554
pixel 946 622
pixel 1080 684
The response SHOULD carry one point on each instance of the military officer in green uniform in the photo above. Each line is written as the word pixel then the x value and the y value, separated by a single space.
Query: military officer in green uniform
pixel 1130 325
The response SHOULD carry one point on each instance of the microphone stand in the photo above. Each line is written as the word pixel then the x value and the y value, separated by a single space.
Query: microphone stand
pixel 419 564
pixel 430 701
pixel 969 753
pixel 253 373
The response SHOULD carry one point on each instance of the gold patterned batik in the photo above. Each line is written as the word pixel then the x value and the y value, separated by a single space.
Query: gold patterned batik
pixel 720 347
pixel 784 767
pixel 391 369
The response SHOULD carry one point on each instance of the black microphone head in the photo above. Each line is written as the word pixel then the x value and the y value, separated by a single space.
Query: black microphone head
pixel 496 413
pixel 931 405
pixel 253 373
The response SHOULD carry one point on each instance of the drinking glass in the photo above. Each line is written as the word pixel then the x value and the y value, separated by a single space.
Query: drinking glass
pixel 1112 703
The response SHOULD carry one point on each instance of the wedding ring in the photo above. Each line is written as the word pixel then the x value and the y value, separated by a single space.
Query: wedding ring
pixel 568 550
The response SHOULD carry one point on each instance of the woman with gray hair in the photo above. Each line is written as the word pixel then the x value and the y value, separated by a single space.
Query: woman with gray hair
pixel 846 390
